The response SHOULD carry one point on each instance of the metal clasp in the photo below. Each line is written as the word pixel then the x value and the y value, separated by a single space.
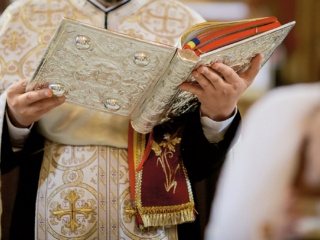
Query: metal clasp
pixel 58 89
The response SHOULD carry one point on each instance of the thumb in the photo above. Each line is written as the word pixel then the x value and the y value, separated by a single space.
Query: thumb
pixel 253 70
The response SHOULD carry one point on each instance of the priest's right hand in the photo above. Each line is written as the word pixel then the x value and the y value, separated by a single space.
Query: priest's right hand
pixel 25 108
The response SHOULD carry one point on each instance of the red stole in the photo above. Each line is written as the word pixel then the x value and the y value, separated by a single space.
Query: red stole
pixel 159 183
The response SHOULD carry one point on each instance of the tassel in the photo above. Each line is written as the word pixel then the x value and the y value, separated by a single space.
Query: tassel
pixel 159 219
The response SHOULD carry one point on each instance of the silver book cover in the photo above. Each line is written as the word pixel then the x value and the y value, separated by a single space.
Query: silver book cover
pixel 119 74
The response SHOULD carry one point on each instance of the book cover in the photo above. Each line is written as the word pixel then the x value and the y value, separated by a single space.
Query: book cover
pixel 119 74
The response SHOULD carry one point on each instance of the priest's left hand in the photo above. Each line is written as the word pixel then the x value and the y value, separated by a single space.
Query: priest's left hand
pixel 219 96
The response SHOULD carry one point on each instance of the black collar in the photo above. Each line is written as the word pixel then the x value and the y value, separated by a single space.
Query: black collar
pixel 108 9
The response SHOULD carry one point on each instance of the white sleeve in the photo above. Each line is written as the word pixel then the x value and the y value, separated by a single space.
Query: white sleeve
pixel 18 136
pixel 215 131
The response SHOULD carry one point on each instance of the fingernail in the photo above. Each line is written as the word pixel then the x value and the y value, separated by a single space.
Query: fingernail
pixel 195 74
pixel 204 69
pixel 47 94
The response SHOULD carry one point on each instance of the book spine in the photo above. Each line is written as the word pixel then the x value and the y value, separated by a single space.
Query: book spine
pixel 165 90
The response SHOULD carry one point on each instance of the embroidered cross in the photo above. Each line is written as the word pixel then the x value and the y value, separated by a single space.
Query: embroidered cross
pixel 14 41
pixel 73 211
pixel 165 18
pixel 49 12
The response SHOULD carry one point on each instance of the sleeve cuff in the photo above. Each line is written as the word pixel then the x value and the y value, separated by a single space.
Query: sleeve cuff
pixel 215 131
pixel 18 136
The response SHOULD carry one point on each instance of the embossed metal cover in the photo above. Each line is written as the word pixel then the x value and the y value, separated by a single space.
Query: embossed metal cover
pixel 115 73
pixel 96 65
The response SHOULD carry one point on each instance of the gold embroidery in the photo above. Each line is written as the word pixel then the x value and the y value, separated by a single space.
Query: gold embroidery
pixel 114 227
pixel 72 176
pixel 41 222
pixel 163 154
pixel 12 68
pixel 29 69
pixel 2 68
pixel 124 155
pixel 86 210
pixel 121 174
pixel 102 176
pixel 113 201
pixel 73 158
pixel 27 56
pixel 93 168
pixel 133 33
pixel 129 212
pixel 49 12
pixel 16 15
pixel 74 184
pixel 102 202
pixel 14 41
pixel 77 167
pixel 102 228
pixel 60 237
pixel 165 18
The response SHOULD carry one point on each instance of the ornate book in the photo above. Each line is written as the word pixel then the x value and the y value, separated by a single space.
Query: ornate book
pixel 116 73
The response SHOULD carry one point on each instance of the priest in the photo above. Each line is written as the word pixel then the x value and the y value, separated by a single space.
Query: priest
pixel 65 168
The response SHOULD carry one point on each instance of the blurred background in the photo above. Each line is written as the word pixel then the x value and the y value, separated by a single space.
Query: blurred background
pixel 297 60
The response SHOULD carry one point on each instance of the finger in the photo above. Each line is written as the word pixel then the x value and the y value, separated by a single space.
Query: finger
pixel 203 81
pixel 34 96
pixel 46 103
pixel 228 73
pixel 253 70
pixel 192 88
pixel 213 77
pixel 18 87
pixel 43 111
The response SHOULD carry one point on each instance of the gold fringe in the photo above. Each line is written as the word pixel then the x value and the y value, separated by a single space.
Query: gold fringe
pixel 168 219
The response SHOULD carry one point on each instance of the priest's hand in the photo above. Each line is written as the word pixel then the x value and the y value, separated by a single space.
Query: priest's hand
pixel 219 96
pixel 27 108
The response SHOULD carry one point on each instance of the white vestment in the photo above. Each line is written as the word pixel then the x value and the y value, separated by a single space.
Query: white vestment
pixel 90 180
